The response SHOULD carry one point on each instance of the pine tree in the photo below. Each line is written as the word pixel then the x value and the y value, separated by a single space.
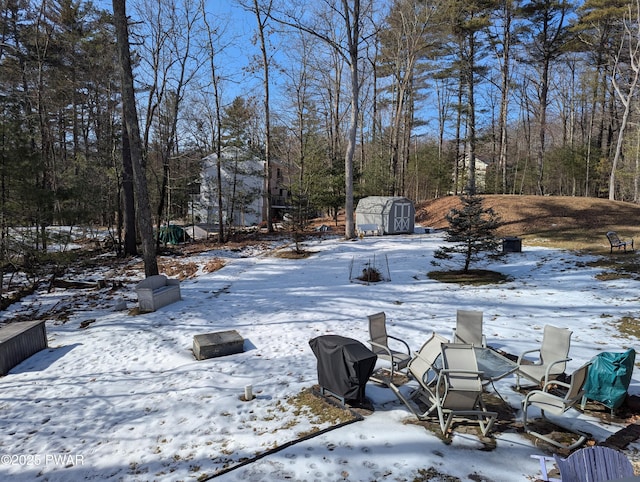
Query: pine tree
pixel 472 228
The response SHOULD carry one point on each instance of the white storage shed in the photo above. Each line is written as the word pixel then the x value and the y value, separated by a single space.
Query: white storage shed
pixel 385 214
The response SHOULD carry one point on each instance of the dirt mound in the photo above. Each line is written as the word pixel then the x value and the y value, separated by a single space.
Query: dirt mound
pixel 524 215
pixel 570 222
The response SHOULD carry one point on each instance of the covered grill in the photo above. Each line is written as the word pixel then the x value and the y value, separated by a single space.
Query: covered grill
pixel 344 367
pixel 609 378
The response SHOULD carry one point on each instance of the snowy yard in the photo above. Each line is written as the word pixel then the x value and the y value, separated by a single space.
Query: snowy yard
pixel 124 398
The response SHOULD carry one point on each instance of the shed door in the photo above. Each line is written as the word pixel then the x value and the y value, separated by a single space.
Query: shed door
pixel 402 212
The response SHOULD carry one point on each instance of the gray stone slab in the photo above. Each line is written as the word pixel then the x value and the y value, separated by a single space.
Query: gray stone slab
pixel 221 343
pixel 20 340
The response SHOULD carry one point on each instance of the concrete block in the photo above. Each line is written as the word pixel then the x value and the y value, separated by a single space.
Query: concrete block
pixel 221 343
pixel 20 340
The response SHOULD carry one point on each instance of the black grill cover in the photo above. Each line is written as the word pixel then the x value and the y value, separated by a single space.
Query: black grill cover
pixel 344 366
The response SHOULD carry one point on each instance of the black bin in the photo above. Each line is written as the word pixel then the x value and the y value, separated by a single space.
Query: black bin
pixel 344 367
pixel 511 245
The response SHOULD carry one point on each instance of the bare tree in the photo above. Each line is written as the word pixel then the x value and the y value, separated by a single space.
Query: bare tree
pixel 262 13
pixel 298 86
pixel 143 211
pixel 210 35
pixel 168 65
pixel 323 25
pixel 352 18
pixel 183 75
pixel 629 46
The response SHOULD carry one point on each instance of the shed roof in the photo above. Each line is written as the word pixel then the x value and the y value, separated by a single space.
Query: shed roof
pixel 379 204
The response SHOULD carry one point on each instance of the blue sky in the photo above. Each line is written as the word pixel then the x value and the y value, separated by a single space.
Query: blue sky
pixel 240 27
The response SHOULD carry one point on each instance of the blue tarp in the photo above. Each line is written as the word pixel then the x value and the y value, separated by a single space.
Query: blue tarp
pixel 609 377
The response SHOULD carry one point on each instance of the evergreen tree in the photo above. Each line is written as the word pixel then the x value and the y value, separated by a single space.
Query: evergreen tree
pixel 472 228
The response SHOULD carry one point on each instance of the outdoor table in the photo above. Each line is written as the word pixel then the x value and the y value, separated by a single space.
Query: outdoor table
pixel 492 364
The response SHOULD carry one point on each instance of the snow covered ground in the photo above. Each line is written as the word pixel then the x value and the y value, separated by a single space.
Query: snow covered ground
pixel 125 399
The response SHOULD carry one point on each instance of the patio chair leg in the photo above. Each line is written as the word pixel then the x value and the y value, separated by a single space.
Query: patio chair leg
pixel 581 436
pixel 412 406
pixel 486 419
pixel 445 424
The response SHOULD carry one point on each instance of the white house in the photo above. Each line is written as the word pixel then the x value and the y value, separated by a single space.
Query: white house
pixel 481 173
pixel 242 180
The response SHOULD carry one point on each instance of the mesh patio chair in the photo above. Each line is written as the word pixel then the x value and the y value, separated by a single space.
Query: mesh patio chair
pixel 389 348
pixel 469 328
pixel 552 359
pixel 421 369
pixel 557 404
pixel 458 391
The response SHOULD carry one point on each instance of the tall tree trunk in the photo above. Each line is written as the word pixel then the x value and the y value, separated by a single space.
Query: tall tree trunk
pixel 631 21
pixel 636 172
pixel 458 140
pixel 548 36
pixel 143 210
pixel 352 21
pixel 544 94
pixel 130 248
pixel 266 215
pixel 504 95
pixel 591 123
pixel 217 128
pixel 471 122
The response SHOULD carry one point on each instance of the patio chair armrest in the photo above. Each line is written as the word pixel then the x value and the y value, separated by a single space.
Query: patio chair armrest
pixel 445 371
pixel 546 374
pixel 382 347
pixel 525 400
pixel 554 382
pixel 521 357
pixel 401 341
